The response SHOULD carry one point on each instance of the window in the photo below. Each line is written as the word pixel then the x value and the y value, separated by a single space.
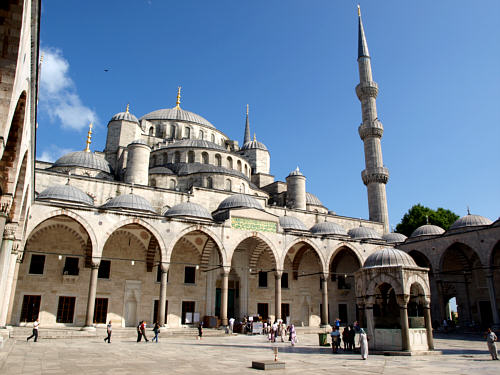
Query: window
pixel 104 269
pixel 100 310
pixel 228 185
pixel 262 310
pixel 210 183
pixel 341 282
pixel 171 184
pixel 246 170
pixel 155 312
pixel 189 275
pixel 65 309
pixel 71 266
pixel 202 135
pixel 213 138
pixel 230 162
pixel 204 158
pixel 151 131
pixel 239 165
pixel 37 264
pixel 284 280
pixel 177 157
pixel 188 133
pixel 262 279
pixel 218 160
pixel 172 131
pixel 191 157
pixel 30 308
pixel 285 311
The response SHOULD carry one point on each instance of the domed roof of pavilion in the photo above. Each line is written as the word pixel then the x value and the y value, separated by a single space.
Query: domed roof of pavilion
pixel 125 116
pixel 129 202
pixel 255 144
pixel 394 237
pixel 312 199
pixel 470 221
pixel 177 114
pixel 239 201
pixel 290 222
pixel 188 209
pixel 389 257
pixel 326 228
pixel 195 143
pixel 65 193
pixel 83 159
pixel 296 172
pixel 364 233
pixel 427 230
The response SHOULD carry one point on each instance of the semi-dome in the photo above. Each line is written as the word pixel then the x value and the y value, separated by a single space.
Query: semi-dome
pixel 83 159
pixel 290 222
pixel 389 257
pixel 364 233
pixel 177 114
pixel 195 143
pixel 394 237
pixel 188 209
pixel 470 221
pixel 65 193
pixel 427 230
pixel 239 201
pixel 313 200
pixel 124 116
pixel 325 228
pixel 129 202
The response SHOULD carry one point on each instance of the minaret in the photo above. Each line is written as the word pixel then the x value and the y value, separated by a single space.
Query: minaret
pixel 247 130
pixel 375 175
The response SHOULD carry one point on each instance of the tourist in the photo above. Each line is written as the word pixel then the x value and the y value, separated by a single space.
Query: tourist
pixel 363 343
pixel 139 333
pixel 34 334
pixel 352 337
pixel 337 323
pixel 274 331
pixel 200 330
pixel 293 334
pixel 231 325
pixel 143 330
pixel 335 335
pixel 109 329
pixel 156 330
pixel 346 336
pixel 492 347
pixel 281 331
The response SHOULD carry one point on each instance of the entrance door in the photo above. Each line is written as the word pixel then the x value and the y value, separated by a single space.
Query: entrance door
pixel 285 311
pixel 263 310
pixel 30 308
pixel 187 307
pixel 486 313
pixel 100 310
pixel 343 313
pixel 230 302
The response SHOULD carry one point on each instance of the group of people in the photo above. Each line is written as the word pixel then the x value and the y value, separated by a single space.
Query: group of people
pixel 141 331
pixel 278 329
pixel 348 336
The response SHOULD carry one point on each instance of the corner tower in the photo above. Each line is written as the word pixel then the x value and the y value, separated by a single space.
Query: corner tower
pixel 375 175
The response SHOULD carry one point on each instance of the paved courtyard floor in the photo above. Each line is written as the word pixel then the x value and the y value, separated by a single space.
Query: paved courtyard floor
pixel 231 355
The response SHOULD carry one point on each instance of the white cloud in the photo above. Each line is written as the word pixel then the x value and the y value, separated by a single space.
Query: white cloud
pixel 52 153
pixel 58 94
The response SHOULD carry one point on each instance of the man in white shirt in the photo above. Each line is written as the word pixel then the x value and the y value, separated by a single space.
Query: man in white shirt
pixel 36 323
pixel 231 324
pixel 492 347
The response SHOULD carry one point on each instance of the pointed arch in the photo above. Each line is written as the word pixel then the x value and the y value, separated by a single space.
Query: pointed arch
pixel 312 245
pixel 351 248
pixel 262 245
pixel 374 283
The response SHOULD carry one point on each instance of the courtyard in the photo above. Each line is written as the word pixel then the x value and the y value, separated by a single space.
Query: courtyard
pixel 231 355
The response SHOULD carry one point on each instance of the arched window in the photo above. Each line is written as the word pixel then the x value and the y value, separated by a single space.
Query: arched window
pixel 209 183
pixel 239 165
pixel 171 184
pixel 213 137
pixel 177 157
pixel 246 170
pixel 218 160
pixel 202 134
pixel 228 185
pixel 151 131
pixel 204 158
pixel 153 182
pixel 172 131
pixel 188 132
pixel 230 162
pixel 243 188
pixel 191 157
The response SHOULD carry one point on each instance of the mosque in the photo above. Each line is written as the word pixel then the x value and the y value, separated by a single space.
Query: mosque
pixel 175 222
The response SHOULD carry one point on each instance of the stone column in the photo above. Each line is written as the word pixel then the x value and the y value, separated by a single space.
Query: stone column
pixel 163 294
pixel 223 299
pixel 428 325
pixel 370 324
pixel 467 295
pixel 442 307
pixel 493 300
pixel 324 312
pixel 89 320
pixel 277 292
pixel 8 255
pixel 405 328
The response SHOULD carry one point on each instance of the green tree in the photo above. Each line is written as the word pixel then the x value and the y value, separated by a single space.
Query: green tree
pixel 419 215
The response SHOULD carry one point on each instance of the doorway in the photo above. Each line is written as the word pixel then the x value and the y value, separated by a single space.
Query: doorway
pixel 263 310
pixel 187 310
pixel 30 308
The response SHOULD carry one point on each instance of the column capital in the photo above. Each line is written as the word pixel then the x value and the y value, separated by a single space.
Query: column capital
pixel 164 266
pixel 403 300
pixel 95 264
pixel 278 274
pixel 226 270
pixel 10 230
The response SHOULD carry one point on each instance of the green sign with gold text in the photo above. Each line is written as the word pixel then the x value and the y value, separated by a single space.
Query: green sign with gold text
pixel 253 224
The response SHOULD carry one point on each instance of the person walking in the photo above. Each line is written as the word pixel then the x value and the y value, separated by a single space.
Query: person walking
pixel 231 325
pixel 293 335
pixel 143 330
pixel 34 334
pixel 109 329
pixel 139 333
pixel 200 330
pixel 363 343
pixel 492 347
pixel 156 330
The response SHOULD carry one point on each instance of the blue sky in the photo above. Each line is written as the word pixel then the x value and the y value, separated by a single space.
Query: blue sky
pixel 294 62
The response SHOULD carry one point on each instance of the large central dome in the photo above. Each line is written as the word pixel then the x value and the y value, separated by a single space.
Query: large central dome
pixel 178 114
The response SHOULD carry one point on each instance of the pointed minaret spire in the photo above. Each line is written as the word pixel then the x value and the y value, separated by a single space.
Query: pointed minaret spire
pixel 178 102
pixel 375 175
pixel 247 130
pixel 362 45
pixel 89 138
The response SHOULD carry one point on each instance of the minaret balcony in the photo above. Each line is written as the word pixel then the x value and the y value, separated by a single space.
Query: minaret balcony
pixel 371 129
pixel 367 89
pixel 378 175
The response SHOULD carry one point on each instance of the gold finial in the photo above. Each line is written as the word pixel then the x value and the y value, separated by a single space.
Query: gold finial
pixel 247 109
pixel 359 11
pixel 254 138
pixel 128 107
pixel 89 137
pixel 41 59
pixel 178 103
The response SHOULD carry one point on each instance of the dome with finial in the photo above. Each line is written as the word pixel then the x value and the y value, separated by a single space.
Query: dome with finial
pixel 239 201
pixel 364 233
pixel 296 172
pixel 255 144
pixel 290 222
pixel 189 209
pixel 427 230
pixel 65 193
pixel 394 237
pixel 470 220
pixel 327 228
pixel 128 202
pixel 83 159
pixel 313 200
pixel 389 257
pixel 125 116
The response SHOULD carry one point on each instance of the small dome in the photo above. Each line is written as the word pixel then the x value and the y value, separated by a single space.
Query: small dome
pixel 427 230
pixel 129 202
pixel 296 172
pixel 195 143
pixel 364 233
pixel 331 212
pixel 255 144
pixel 290 222
pixel 325 228
pixel 124 116
pixel 66 193
pixel 83 159
pixel 389 257
pixel 139 142
pixel 177 114
pixel 470 221
pixel 394 237
pixel 313 200
pixel 239 201
pixel 190 210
